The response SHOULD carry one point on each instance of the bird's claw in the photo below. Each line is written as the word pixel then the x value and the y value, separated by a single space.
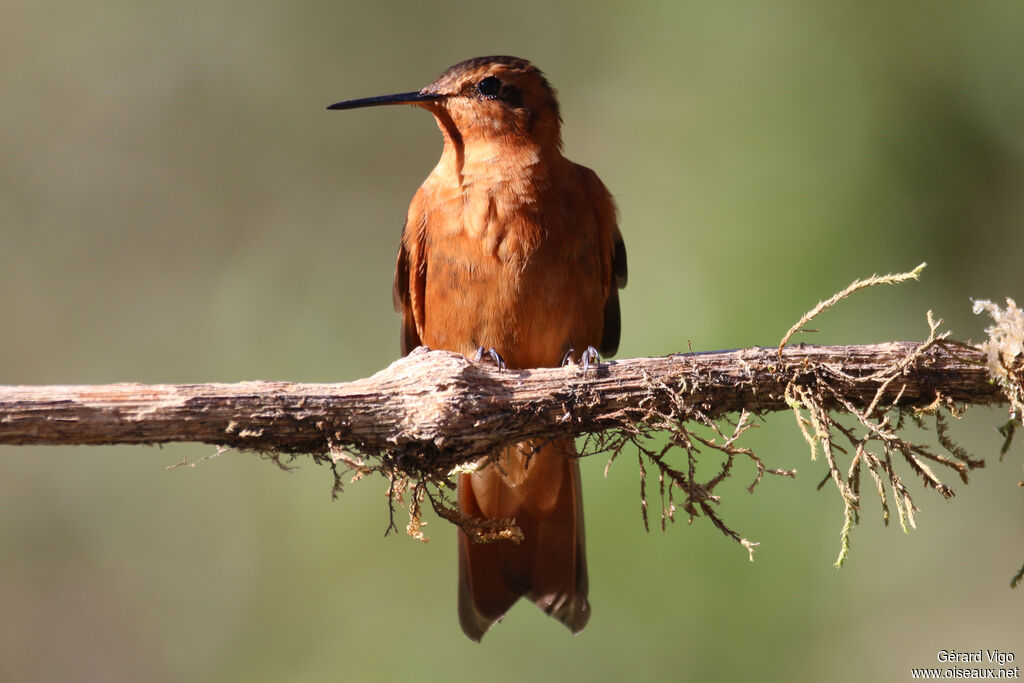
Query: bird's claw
pixel 590 355
pixel 499 362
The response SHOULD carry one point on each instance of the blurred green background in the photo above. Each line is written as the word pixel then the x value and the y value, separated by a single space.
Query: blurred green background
pixel 177 206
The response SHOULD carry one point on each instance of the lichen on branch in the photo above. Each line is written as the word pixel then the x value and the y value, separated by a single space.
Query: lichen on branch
pixel 433 414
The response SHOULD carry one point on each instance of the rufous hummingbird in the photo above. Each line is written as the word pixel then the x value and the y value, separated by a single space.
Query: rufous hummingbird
pixel 509 248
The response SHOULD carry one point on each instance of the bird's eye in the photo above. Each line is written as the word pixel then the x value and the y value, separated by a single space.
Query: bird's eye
pixel 489 87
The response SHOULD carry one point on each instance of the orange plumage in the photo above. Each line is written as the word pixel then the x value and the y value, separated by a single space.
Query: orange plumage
pixel 509 245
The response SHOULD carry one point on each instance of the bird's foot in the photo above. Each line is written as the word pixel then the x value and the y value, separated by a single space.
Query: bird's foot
pixel 590 355
pixel 499 362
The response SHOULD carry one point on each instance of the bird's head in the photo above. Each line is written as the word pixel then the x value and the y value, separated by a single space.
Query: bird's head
pixel 496 100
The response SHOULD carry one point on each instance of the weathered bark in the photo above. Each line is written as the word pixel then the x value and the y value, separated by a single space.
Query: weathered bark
pixel 440 403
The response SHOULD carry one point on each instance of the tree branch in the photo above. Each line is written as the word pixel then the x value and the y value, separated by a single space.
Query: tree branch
pixel 434 413
pixel 439 404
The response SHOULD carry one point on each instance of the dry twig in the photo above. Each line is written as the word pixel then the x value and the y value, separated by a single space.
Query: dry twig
pixel 433 414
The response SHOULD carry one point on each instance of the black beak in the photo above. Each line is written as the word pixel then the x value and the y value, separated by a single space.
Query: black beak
pixel 400 98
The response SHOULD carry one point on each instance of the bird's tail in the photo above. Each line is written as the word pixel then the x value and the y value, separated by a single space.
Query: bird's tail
pixel 540 490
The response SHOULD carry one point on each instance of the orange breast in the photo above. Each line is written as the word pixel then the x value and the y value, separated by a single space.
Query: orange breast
pixel 526 278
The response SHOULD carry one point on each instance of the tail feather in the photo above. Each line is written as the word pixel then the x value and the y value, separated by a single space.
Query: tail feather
pixel 541 491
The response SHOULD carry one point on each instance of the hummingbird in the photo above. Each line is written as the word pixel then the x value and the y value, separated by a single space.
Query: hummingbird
pixel 512 252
